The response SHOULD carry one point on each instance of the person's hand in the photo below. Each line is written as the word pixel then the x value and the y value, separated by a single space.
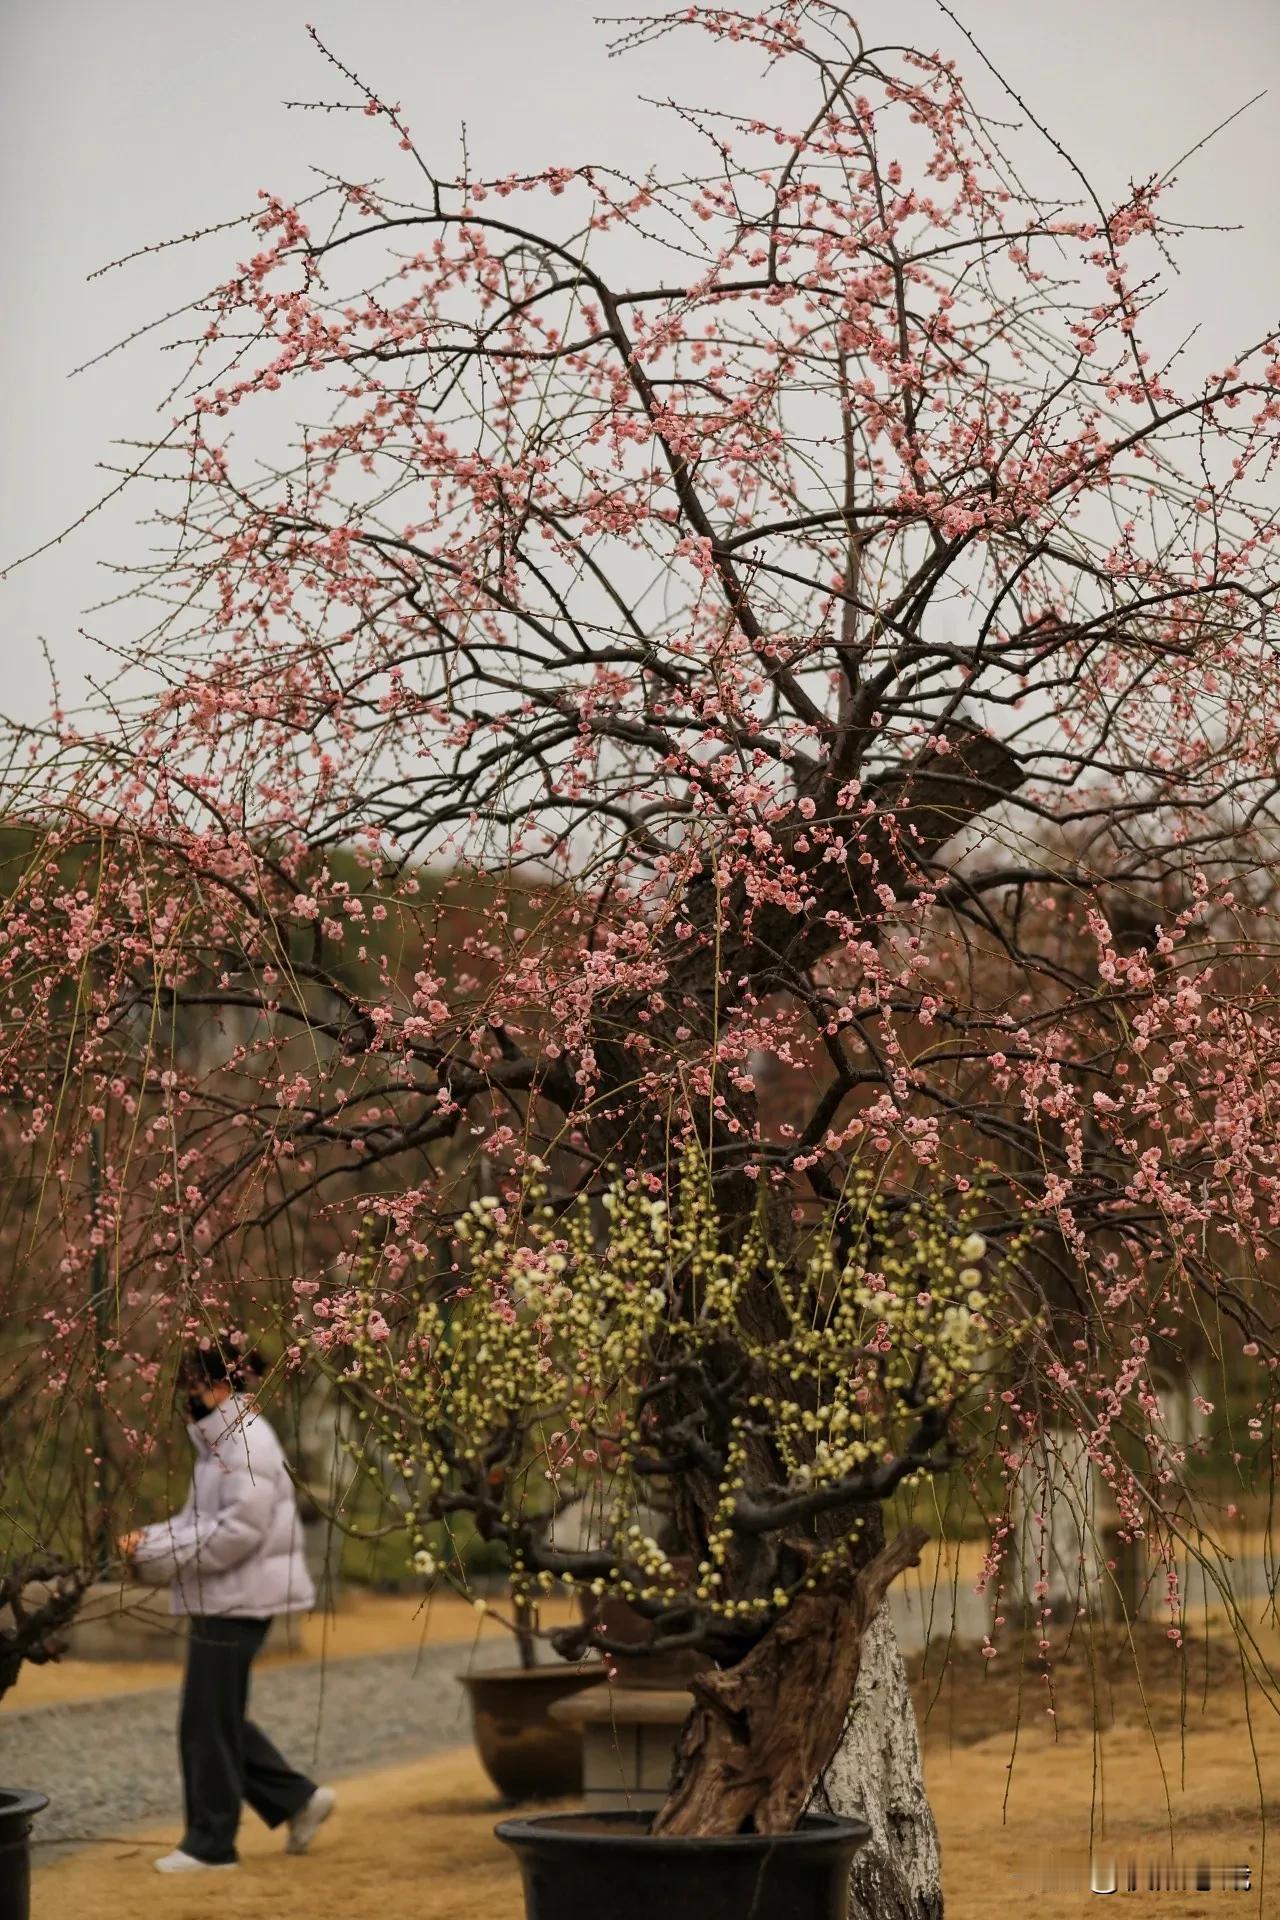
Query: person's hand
pixel 128 1543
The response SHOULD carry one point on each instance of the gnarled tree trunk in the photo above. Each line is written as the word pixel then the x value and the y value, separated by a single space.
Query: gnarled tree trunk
pixel 763 1731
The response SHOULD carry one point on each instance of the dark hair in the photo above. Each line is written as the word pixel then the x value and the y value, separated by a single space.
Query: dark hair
pixel 207 1366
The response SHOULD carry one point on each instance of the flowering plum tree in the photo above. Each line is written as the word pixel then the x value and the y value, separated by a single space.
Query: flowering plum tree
pixel 766 655
pixel 601 1350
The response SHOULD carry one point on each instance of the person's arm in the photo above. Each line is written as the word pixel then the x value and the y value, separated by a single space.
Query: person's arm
pixel 130 1544
pixel 216 1540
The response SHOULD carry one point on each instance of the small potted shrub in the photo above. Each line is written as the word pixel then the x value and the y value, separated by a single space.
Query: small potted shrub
pixel 627 1330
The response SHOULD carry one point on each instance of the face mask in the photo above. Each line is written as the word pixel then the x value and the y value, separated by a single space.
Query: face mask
pixel 197 1408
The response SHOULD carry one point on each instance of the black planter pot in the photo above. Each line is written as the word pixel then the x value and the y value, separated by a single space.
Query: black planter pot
pixel 17 1810
pixel 610 1866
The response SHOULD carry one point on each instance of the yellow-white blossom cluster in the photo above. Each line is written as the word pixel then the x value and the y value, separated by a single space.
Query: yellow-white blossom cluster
pixel 583 1346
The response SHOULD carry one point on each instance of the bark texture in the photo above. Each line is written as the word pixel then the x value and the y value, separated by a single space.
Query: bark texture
pixel 876 1776
pixel 36 1607
pixel 763 1731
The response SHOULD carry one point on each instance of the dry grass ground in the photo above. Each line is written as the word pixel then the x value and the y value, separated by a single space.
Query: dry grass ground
pixel 1126 1746
pixel 419 1839
pixel 1182 1760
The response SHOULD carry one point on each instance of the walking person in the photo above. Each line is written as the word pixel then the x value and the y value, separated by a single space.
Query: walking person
pixel 233 1560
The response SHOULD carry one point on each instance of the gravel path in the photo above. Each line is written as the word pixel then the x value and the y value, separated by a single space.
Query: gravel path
pixel 109 1765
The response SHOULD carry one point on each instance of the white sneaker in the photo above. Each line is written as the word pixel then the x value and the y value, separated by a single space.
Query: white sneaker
pixel 180 1862
pixel 308 1820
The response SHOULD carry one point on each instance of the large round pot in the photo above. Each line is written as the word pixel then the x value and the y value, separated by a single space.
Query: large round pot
pixel 526 1755
pixel 17 1810
pixel 611 1866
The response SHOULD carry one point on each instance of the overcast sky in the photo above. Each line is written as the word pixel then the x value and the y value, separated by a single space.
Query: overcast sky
pixel 128 121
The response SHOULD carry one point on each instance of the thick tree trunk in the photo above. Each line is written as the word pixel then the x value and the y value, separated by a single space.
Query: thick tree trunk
pixel 876 1776
pixel 762 1732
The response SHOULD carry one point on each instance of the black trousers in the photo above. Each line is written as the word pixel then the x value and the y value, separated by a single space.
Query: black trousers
pixel 225 1758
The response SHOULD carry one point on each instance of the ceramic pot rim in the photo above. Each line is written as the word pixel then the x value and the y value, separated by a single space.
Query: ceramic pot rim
pixel 601 1830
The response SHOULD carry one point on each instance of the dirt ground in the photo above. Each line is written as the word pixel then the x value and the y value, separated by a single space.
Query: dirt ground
pixel 1123 1746
pixel 1179 1763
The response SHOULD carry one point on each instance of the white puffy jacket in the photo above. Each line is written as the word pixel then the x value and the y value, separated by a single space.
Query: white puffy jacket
pixel 236 1546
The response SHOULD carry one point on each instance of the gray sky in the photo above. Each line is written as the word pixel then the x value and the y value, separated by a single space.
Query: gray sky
pixel 128 121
